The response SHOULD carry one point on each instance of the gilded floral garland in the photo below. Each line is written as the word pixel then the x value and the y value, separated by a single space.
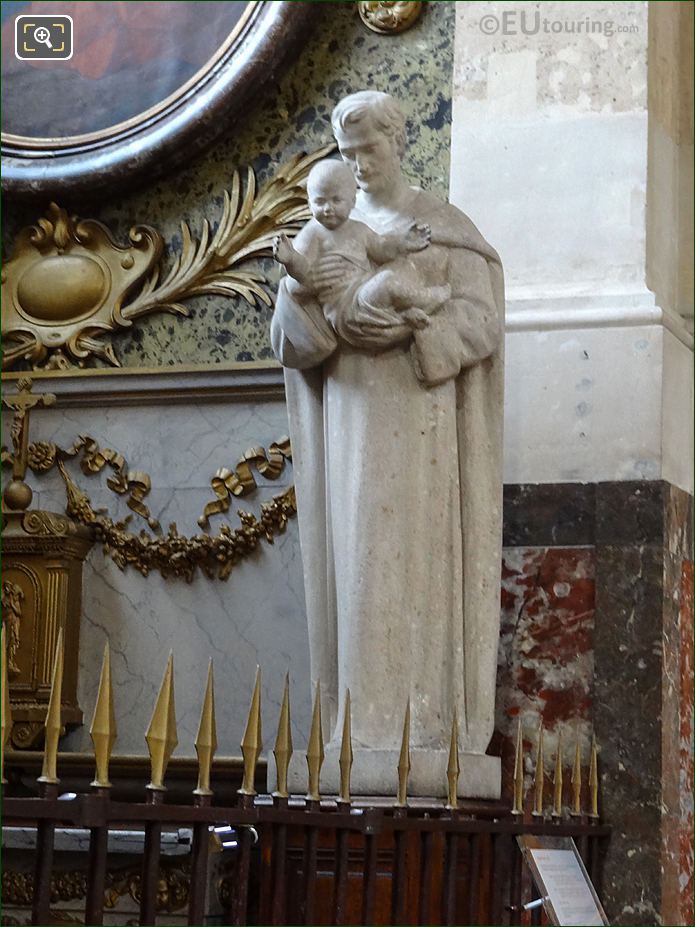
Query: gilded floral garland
pixel 171 554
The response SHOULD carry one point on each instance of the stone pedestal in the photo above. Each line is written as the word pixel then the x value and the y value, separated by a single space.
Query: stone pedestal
pixel 376 772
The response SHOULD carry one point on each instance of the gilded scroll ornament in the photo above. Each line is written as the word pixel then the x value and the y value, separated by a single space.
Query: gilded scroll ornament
pixel 69 286
pixel 389 16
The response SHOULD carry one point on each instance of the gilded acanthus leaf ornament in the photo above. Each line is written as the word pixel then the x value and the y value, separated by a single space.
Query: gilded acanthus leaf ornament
pixel 69 286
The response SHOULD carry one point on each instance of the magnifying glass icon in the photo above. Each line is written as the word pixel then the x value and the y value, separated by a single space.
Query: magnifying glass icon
pixel 43 36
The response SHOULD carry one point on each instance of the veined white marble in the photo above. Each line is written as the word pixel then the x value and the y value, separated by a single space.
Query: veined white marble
pixel 256 616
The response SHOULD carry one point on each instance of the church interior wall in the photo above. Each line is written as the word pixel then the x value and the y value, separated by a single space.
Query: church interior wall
pixel 549 155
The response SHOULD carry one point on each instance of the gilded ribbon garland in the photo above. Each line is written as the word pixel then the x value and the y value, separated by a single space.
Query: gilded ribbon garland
pixel 239 482
pixel 171 554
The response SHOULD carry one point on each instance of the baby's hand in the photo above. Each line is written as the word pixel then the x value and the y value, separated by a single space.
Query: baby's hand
pixel 283 249
pixel 416 318
pixel 417 237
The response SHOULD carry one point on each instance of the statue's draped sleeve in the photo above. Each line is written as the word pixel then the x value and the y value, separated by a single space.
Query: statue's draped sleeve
pixel 468 328
pixel 465 340
pixel 299 334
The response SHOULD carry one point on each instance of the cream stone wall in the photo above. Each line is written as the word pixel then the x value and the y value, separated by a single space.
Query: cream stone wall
pixel 549 158
pixel 670 156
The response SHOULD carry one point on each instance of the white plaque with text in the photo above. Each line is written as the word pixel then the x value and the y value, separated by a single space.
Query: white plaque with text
pixel 569 897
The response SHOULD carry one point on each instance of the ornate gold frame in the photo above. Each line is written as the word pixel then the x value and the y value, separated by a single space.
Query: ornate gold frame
pixel 176 129
pixel 147 115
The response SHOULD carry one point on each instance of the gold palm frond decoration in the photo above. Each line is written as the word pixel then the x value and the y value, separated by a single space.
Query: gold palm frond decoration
pixel 69 286
pixel 246 231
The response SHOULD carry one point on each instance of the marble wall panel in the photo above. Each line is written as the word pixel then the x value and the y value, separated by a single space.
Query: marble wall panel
pixel 677 706
pixel 256 616
pixel 686 864
pixel 545 666
pixel 643 536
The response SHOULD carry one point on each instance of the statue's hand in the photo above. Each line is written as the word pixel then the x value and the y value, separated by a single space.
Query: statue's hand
pixel 417 237
pixel 416 318
pixel 283 249
pixel 329 271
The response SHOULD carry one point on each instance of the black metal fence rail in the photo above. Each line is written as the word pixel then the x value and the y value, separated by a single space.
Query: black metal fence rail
pixel 446 867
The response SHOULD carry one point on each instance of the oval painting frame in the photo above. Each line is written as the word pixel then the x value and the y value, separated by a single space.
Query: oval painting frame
pixel 171 133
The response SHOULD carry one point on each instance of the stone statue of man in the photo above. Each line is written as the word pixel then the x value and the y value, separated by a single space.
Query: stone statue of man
pixel 397 443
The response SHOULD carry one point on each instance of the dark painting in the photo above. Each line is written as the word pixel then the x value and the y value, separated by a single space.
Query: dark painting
pixel 129 58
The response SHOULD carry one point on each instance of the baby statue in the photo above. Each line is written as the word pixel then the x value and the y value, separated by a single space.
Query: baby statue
pixel 393 288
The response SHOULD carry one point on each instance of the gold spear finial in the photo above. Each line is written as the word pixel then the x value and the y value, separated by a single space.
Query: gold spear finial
pixel 103 729
pixel 345 761
pixel 557 778
pixel 161 735
pixel 539 776
pixel 404 761
pixel 453 768
pixel 252 741
pixel 593 778
pixel 577 779
pixel 283 743
pixel 518 804
pixel 314 750
pixel 206 738
pixel 52 722
pixel 6 720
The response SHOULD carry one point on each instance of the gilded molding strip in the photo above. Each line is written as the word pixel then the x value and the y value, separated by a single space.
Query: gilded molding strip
pixel 71 885
pixel 56 590
pixel 181 384
pixel 69 287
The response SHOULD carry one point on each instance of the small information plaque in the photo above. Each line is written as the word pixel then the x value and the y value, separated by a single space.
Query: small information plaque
pixel 569 898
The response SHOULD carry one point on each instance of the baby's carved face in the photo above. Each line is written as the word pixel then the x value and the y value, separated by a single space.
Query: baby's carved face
pixel 331 197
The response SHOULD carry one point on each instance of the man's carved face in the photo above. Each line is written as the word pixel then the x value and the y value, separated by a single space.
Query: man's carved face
pixel 372 155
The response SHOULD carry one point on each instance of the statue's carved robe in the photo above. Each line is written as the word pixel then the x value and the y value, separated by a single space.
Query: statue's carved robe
pixel 397 452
